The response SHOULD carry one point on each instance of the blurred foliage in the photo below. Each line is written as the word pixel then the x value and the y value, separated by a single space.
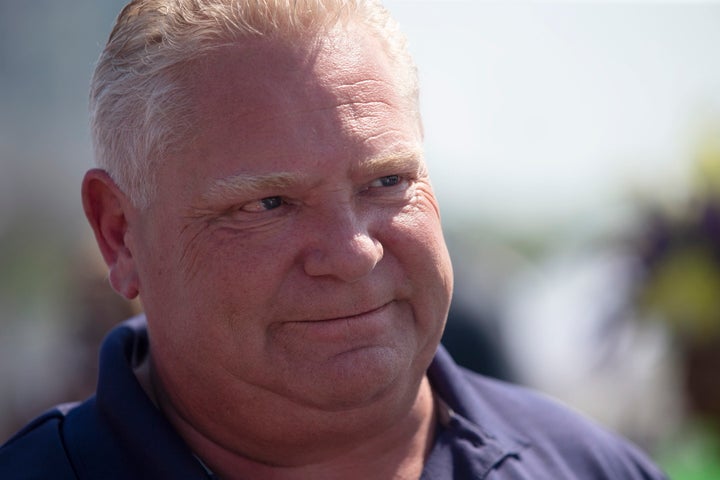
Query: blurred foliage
pixel 685 290
pixel 680 286
pixel 707 171
pixel 693 454
pixel 681 255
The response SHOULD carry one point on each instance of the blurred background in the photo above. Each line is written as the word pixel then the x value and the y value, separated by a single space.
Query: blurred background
pixel 575 150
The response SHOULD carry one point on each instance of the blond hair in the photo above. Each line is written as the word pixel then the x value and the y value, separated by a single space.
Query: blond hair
pixel 140 112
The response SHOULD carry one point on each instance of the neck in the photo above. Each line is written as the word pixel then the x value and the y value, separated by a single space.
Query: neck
pixel 392 449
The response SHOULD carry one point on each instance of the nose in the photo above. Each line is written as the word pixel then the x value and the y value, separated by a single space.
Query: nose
pixel 341 246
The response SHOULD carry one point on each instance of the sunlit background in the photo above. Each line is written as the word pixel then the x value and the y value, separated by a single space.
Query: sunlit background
pixel 575 149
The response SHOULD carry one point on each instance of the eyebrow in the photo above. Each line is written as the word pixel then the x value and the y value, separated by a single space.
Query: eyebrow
pixel 248 185
pixel 410 161
pixel 244 185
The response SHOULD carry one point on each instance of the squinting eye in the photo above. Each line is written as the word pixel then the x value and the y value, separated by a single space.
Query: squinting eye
pixel 387 181
pixel 264 204
pixel 271 202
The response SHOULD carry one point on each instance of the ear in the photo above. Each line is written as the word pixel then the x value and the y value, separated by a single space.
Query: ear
pixel 107 209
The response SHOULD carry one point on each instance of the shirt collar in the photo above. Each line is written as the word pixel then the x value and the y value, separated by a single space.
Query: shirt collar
pixel 471 439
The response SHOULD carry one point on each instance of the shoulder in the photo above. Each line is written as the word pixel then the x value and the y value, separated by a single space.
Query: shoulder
pixel 37 451
pixel 555 437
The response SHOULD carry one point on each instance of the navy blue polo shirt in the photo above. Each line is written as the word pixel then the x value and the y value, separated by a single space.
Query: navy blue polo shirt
pixel 488 430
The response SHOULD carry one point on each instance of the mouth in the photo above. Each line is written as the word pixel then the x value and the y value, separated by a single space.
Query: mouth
pixel 348 317
pixel 356 326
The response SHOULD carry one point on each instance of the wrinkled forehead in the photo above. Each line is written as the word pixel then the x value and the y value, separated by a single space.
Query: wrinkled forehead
pixel 254 61
pixel 276 70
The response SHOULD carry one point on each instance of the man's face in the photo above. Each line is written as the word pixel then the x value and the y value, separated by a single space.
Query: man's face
pixel 294 249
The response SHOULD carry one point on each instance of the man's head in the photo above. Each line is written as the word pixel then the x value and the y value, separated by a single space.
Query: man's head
pixel 140 113
pixel 290 260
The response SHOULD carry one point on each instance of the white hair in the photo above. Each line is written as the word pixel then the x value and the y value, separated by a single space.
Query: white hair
pixel 140 112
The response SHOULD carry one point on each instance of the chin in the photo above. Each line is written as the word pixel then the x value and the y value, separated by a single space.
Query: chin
pixel 362 377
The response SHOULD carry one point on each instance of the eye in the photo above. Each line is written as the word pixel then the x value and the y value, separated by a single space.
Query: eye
pixel 387 181
pixel 263 205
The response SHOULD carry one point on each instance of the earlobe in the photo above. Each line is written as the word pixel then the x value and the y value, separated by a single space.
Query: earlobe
pixel 107 209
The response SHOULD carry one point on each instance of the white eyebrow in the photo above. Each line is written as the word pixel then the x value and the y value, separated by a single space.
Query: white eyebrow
pixel 403 162
pixel 243 185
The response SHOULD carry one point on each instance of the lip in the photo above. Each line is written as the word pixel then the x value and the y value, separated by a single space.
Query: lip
pixel 356 327
pixel 349 317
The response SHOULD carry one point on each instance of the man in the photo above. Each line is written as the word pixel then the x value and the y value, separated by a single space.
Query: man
pixel 262 189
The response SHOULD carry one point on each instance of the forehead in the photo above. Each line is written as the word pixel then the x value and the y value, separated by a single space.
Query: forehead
pixel 258 74
pixel 263 97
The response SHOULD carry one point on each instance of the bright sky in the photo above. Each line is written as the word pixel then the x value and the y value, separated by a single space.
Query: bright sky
pixel 537 111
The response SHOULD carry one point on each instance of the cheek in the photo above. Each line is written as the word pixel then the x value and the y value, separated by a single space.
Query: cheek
pixel 418 246
pixel 237 282
pixel 228 260
pixel 418 225
pixel 416 239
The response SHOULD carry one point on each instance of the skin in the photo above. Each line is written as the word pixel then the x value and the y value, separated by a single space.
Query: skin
pixel 291 266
